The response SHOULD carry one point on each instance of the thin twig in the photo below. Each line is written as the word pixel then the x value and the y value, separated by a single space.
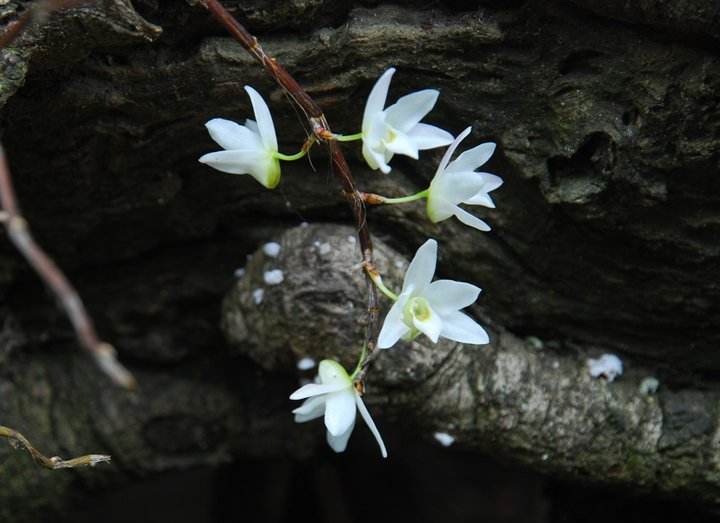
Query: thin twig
pixel 322 132
pixel 36 12
pixel 17 440
pixel 19 233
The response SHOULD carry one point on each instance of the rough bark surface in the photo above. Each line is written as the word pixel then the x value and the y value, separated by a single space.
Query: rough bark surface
pixel 605 237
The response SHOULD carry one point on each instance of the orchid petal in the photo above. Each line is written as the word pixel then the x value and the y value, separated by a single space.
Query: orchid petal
pixel 339 443
pixel 339 411
pixel 231 135
pixel 238 161
pixel 331 373
pixel 431 326
pixel 376 100
pixel 312 408
pixel 266 128
pixel 446 296
pixel 428 136
pixel 371 424
pixel 252 125
pixel 481 198
pixel 375 159
pixel 422 267
pixel 450 150
pixel 402 144
pixel 439 209
pixel 315 389
pixel 469 219
pixel 410 109
pixel 457 187
pixel 460 327
pixel 393 327
pixel 473 158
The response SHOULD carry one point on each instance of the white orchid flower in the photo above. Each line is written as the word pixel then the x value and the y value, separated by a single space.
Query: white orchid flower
pixel 457 182
pixel 249 149
pixel 334 397
pixel 397 129
pixel 431 307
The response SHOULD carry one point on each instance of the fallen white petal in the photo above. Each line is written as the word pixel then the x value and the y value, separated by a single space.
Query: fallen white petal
pixel 608 366
pixel 306 363
pixel 273 277
pixel 271 249
pixel 258 295
pixel 444 438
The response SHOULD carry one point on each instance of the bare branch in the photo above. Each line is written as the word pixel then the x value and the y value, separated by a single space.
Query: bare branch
pixel 17 440
pixel 19 233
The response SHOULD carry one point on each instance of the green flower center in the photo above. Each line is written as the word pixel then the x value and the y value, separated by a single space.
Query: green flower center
pixel 416 308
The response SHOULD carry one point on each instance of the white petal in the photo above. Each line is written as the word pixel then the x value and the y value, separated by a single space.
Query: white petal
pixel 490 183
pixel 393 327
pixel 238 161
pixel 371 424
pixel 402 144
pixel 469 219
pixel 428 136
pixel 420 272
pixel 410 109
pixel 339 443
pixel 481 198
pixel 315 389
pixel 263 119
pixel 457 187
pixel 339 411
pixel 332 373
pixel 438 208
pixel 451 150
pixel 446 296
pixel 473 158
pixel 230 135
pixel 374 151
pixel 312 408
pixel 253 126
pixel 376 100
pixel 431 326
pixel 460 327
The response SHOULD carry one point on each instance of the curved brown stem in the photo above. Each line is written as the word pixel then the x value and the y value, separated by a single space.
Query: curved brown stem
pixel 321 130
pixel 17 440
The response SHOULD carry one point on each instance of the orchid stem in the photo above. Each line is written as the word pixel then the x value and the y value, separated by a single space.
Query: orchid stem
pixel 360 362
pixel 347 137
pixel 404 199
pixel 290 157
pixel 377 280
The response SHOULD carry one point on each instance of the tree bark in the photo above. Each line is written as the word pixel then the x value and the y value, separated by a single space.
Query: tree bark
pixel 604 239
